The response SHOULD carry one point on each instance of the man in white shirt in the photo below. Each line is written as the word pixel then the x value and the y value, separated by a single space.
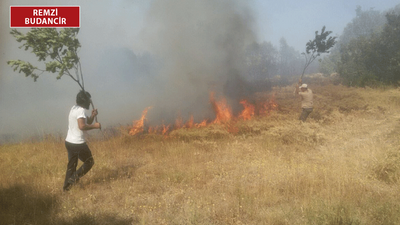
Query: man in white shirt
pixel 75 141
pixel 307 102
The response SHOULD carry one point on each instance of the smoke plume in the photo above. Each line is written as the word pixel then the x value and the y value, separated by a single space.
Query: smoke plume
pixel 201 45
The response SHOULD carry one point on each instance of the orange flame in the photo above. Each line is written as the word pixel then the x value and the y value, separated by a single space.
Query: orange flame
pixel 223 115
pixel 165 129
pixel 223 111
pixel 248 110
pixel 190 122
pixel 268 106
pixel 139 124
pixel 153 130
pixel 178 123
pixel 202 124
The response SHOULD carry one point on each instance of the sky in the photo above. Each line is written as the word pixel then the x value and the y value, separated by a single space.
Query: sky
pixel 297 21
pixel 113 32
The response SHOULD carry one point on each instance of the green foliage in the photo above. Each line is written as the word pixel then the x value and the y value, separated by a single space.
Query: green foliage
pixel 24 67
pixel 57 48
pixel 386 63
pixel 374 59
pixel 328 65
pixel 352 67
pixel 321 44
pixel 363 25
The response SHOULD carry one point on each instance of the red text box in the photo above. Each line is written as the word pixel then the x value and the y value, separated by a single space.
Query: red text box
pixel 45 16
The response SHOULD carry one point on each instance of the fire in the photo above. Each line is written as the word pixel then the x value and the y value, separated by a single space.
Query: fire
pixel 202 124
pixel 248 110
pixel 165 129
pixel 223 115
pixel 268 106
pixel 138 125
pixel 178 122
pixel 223 111
pixel 153 130
pixel 190 122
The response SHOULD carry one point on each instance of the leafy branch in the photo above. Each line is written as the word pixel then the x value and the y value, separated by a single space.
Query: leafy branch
pixel 58 49
pixel 316 47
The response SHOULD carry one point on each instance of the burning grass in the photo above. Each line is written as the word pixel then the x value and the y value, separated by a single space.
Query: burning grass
pixel 337 168
pixel 223 115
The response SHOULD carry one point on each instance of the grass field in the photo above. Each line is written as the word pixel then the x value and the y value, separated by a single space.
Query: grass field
pixel 340 167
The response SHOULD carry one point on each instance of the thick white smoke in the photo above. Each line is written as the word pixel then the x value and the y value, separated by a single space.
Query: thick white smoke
pixel 201 45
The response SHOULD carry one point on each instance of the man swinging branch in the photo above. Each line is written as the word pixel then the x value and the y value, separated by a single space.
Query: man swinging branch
pixel 314 48
pixel 78 124
pixel 306 96
pixel 58 48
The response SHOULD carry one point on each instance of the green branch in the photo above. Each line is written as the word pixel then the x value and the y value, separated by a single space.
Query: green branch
pixel 316 47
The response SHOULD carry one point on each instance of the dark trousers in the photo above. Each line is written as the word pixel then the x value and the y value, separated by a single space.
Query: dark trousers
pixel 304 114
pixel 75 152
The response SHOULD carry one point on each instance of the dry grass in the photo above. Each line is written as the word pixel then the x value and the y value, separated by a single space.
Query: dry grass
pixel 340 167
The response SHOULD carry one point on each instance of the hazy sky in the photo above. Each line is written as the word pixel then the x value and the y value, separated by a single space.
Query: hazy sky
pixel 298 20
pixel 112 30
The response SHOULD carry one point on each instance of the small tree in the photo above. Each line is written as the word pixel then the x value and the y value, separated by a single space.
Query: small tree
pixel 320 44
pixel 57 48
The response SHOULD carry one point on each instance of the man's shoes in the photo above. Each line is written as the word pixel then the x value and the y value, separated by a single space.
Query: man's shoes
pixel 68 187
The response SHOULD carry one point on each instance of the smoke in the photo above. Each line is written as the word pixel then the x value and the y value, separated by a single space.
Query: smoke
pixel 201 45
pixel 30 108
pixel 3 36
pixel 195 47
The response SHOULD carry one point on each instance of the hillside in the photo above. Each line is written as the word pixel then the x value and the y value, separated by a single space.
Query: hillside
pixel 340 167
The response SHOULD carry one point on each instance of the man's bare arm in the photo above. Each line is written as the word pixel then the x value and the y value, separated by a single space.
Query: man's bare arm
pixel 91 118
pixel 84 126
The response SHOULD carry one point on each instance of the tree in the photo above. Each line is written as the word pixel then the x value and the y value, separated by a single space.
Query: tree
pixel 352 63
pixel 364 24
pixel 58 49
pixel 320 44
pixel 374 59
pixel 289 59
pixel 261 60
pixel 387 51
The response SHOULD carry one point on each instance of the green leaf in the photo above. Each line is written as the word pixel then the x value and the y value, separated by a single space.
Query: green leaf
pixel 56 48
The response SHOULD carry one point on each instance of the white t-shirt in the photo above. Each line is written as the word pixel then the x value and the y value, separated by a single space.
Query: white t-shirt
pixel 75 135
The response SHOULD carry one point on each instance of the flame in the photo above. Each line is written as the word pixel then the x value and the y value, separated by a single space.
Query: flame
pixel 268 106
pixel 138 125
pixel 178 122
pixel 248 110
pixel 153 130
pixel 165 129
pixel 190 122
pixel 202 124
pixel 223 115
pixel 223 111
